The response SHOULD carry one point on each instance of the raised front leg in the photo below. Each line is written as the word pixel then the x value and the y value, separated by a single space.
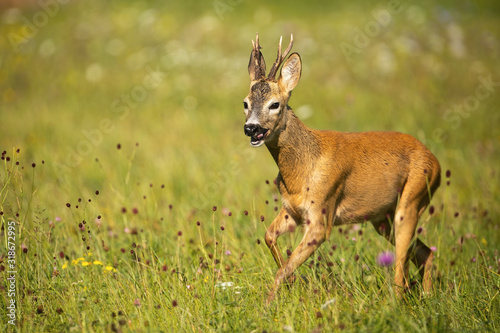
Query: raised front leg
pixel 282 224
pixel 314 236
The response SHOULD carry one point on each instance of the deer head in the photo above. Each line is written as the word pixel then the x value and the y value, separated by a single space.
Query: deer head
pixel 267 100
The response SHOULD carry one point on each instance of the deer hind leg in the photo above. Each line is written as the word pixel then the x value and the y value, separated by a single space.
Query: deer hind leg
pixel 420 254
pixel 414 199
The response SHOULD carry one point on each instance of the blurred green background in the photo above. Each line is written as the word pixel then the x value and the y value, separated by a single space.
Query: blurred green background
pixel 75 83
pixel 142 101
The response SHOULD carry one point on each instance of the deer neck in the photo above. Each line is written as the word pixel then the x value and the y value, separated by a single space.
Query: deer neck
pixel 294 148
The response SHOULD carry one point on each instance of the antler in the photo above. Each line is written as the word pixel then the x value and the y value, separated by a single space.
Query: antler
pixel 257 64
pixel 280 58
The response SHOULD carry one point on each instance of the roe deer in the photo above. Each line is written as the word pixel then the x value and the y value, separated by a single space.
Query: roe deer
pixel 329 178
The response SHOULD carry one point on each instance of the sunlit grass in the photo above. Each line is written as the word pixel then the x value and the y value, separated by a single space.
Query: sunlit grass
pixel 139 205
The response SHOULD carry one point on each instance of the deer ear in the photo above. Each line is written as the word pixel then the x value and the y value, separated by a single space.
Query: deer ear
pixel 290 72
pixel 256 66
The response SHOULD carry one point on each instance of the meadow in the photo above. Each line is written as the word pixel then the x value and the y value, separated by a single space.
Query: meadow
pixel 131 200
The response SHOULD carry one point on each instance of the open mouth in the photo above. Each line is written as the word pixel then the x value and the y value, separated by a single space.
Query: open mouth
pixel 258 139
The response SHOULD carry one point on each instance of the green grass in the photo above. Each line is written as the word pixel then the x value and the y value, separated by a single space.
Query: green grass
pixel 64 104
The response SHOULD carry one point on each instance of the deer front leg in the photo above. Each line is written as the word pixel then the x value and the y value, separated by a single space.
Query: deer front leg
pixel 314 236
pixel 282 224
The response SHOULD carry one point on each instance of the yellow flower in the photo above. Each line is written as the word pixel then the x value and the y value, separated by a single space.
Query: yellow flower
pixel 76 261
pixel 484 241
pixel 97 262
pixel 86 263
pixel 110 269
pixel 65 265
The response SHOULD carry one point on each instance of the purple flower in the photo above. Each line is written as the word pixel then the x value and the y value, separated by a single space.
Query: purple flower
pixel 433 249
pixel 385 259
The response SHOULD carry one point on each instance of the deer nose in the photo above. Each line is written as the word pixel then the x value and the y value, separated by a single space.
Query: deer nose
pixel 252 129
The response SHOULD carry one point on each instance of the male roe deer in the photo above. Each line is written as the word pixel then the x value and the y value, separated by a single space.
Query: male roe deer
pixel 329 178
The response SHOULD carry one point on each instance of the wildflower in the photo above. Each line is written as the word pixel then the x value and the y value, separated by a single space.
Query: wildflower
pixel 86 263
pixel 433 249
pixel 97 262
pixel 65 265
pixel 228 253
pixel 110 269
pixel 385 259
pixel 327 303
pixel 224 285
pixel 77 260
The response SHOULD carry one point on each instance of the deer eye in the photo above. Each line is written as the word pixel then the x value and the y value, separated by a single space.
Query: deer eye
pixel 245 105
pixel 274 106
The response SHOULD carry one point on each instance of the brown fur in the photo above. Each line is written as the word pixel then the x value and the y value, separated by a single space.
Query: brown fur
pixel 329 178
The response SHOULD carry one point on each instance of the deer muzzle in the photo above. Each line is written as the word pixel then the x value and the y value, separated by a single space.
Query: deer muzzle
pixel 256 133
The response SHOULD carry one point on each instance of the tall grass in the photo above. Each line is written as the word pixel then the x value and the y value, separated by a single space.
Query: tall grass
pixel 139 205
